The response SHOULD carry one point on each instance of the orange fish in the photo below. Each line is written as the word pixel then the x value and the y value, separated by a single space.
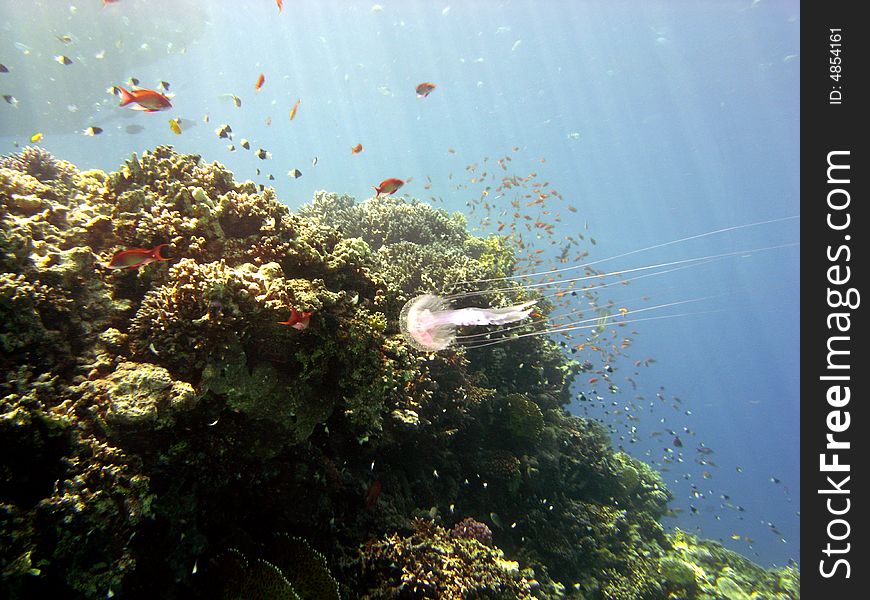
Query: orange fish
pixel 260 81
pixel 297 320
pixel 388 187
pixel 295 108
pixel 424 88
pixel 280 4
pixel 373 492
pixel 356 149
pixel 144 99
pixel 137 257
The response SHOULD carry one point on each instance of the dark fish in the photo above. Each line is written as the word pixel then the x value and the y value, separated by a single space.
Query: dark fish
pixel 262 154
pixel 64 60
pixel 164 85
pixel 294 173
pixel 245 144
pixel 93 130
pixel 3 69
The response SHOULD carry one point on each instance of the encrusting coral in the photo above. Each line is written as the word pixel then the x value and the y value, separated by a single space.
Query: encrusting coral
pixel 153 418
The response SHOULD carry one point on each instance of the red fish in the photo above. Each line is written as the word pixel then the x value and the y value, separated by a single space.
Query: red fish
pixel 297 320
pixel 137 257
pixel 295 108
pixel 280 4
pixel 424 88
pixel 388 187
pixel 373 492
pixel 356 149
pixel 145 100
pixel 260 81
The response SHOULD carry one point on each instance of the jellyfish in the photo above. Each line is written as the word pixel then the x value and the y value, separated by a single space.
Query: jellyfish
pixel 429 322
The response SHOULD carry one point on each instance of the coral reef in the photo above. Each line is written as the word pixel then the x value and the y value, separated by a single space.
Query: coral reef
pixel 430 563
pixel 159 424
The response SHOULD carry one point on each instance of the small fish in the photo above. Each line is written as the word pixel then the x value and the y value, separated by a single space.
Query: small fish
pixel 224 131
pixel 10 99
pixel 4 69
pixel 356 149
pixel 64 39
pixel 231 148
pixel 314 162
pixel 164 85
pixel 260 81
pixel 373 492
pixel 144 99
pixel 94 130
pixel 245 144
pixel 262 154
pixel 271 177
pixel 678 442
pixel 388 187
pixel 133 81
pixel 294 173
pixel 37 137
pixel 175 126
pixel 295 108
pixel 424 89
pixel 64 60
pixel 297 320
pixel 137 257
pixel 236 100
pixel 280 4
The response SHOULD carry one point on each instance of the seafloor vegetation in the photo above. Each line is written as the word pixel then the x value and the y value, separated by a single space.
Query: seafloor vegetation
pixel 163 435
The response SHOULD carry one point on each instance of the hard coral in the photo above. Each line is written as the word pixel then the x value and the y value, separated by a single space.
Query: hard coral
pixel 39 163
pixel 470 529
pixel 430 563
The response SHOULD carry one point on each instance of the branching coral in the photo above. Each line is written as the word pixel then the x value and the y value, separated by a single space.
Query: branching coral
pixel 430 563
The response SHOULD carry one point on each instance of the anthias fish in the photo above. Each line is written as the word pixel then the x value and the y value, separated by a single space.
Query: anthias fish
pixel 298 320
pixel 144 99
pixel 424 88
pixel 388 187
pixel 137 257
pixel 357 149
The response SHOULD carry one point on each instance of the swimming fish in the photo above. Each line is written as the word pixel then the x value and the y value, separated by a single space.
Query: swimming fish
pixel 244 143
pixel 373 492
pixel 280 4
pixel 356 149
pixel 144 99
pixel 297 320
pixel 137 257
pixel 175 126
pixel 37 137
pixel 262 154
pixel 64 60
pixel 4 69
pixel 424 88
pixel 224 131
pixel 94 130
pixel 294 173
pixel 388 187
pixel 295 108
pixel 260 81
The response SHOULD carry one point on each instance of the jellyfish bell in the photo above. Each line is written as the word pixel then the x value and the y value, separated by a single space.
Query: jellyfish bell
pixel 429 322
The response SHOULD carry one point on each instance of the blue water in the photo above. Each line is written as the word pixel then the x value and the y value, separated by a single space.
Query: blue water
pixel 657 120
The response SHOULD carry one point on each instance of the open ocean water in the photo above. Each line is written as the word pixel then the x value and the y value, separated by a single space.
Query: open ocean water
pixel 657 121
